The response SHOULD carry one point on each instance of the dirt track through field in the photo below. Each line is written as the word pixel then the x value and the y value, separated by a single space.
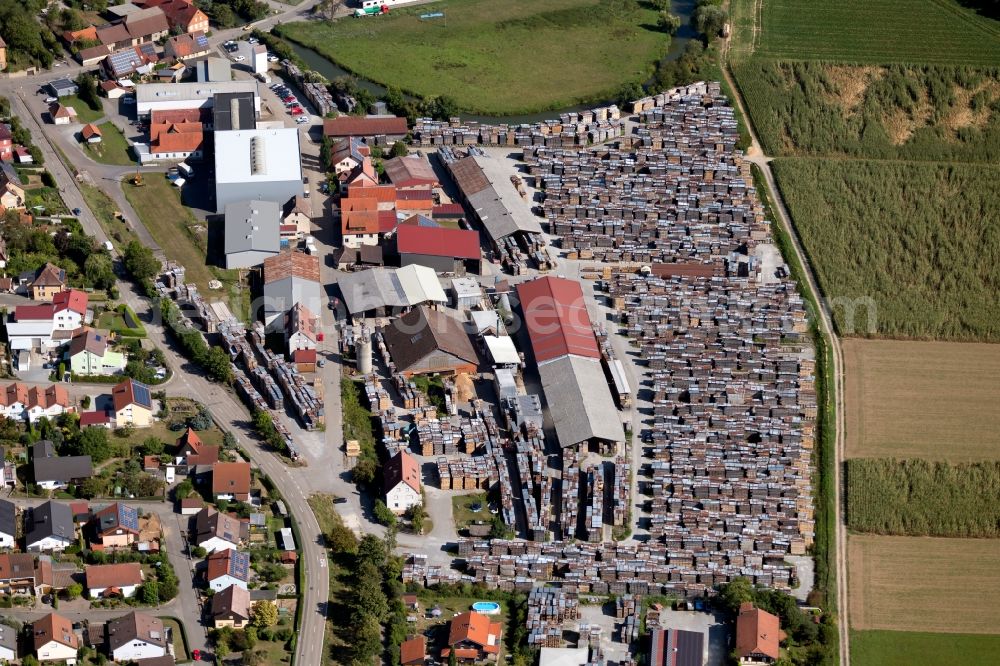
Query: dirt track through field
pixel 924 584
pixel 933 400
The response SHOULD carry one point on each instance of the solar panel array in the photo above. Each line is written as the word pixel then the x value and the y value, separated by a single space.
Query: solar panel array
pixel 125 61
pixel 141 393
pixel 201 41
pixel 129 517
pixel 239 565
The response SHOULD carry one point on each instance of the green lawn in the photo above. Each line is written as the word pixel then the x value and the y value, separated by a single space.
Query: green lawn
pixel 113 148
pixel 901 648
pixel 463 515
pixel 84 114
pixel 923 31
pixel 509 57
pixel 115 322
pixel 182 237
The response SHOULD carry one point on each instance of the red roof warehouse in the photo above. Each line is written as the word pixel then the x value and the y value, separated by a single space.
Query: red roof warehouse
pixel 556 316
pixel 444 250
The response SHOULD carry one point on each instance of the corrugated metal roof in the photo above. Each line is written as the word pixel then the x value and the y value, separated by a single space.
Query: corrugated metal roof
pixel 556 316
pixel 579 402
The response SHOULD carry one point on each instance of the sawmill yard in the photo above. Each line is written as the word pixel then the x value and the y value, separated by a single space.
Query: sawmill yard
pixel 924 584
pixel 883 117
pixel 516 56
pixel 929 400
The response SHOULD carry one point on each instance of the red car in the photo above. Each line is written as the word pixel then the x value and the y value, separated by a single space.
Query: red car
pixel 196 655
pixel 289 99
pixel 296 111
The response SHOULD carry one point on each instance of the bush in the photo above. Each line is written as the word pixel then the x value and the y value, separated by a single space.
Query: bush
pixel 383 515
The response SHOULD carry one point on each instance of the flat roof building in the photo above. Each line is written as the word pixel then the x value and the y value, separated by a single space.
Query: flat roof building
pixel 264 165
pixel 192 95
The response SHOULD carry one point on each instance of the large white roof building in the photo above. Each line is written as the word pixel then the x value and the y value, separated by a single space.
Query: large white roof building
pixel 261 164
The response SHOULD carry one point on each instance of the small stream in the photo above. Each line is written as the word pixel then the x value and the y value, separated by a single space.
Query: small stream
pixel 681 8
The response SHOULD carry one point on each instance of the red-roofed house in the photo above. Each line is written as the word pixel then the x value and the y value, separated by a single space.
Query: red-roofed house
pixel 176 141
pixel 191 452
pixel 231 481
pixel 91 133
pixel 390 128
pixel 133 404
pixel 473 637
pixel 413 651
pixel 402 483
pixel 108 579
pixel 758 636
pixel 181 14
pixel 444 250
pixel 49 281
pixel 411 172
pixel 53 639
pixel 48 326
pixel 6 143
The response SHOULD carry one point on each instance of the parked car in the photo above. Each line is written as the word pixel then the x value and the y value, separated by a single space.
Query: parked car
pixel 340 500
pixel 272 58
pixel 51 100
pixel 296 110
pixel 239 58
pixel 301 120
pixel 77 212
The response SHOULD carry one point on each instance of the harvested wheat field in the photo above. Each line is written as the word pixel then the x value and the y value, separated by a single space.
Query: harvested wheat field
pixel 924 584
pixel 932 400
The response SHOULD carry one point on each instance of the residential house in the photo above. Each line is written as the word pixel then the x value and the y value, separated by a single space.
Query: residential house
pixel 349 154
pixel 129 60
pixel 301 329
pixel 135 636
pixel 54 640
pixel 216 531
pixel 445 250
pixel 49 527
pixel 175 141
pixel 413 651
pixel 425 341
pixel 295 222
pixel 91 133
pixel 411 172
pixel 186 46
pixel 104 580
pixel 231 608
pixel 133 404
pixel 52 471
pixel 228 567
pixel 8 524
pixel 62 115
pixel 473 637
pixel 18 574
pixel 252 232
pixel 49 281
pixel 6 143
pixel 90 353
pixel 191 452
pixel 23 155
pixel 758 636
pixel 50 325
pixel 3 54
pixel 182 15
pixel 374 129
pixel 12 191
pixel 418 201
pixel 145 25
pixel 356 258
pixel 402 483
pixel 231 481
pixel 290 278
pixel 8 636
pixel 19 402
pixel 304 360
pixel 115 526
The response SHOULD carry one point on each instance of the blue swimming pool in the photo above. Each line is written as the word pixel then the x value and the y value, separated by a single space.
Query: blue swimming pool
pixel 486 607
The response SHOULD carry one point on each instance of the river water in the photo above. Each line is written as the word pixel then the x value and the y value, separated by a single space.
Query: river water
pixel 681 8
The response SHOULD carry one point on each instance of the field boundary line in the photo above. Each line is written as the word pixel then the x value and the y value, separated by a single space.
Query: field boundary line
pixel 968 17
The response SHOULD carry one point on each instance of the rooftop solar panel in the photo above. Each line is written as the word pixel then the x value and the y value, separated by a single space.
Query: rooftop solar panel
pixel 141 393
pixel 239 565
pixel 130 518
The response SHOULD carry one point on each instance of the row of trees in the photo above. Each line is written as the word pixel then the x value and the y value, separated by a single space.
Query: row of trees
pixel 214 360
pixel 230 13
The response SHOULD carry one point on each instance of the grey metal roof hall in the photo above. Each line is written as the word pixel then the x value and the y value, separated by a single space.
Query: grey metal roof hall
pixel 579 403
pixel 252 232
pixel 233 111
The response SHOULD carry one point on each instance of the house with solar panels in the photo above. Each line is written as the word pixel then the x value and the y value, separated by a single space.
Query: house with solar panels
pixel 131 60
pixel 216 531
pixel 228 567
pixel 133 404
pixel 187 45
pixel 115 526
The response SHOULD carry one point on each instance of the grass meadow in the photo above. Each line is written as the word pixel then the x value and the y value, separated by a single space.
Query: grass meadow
pixel 921 498
pixel 920 648
pixel 876 31
pixel 516 56
pixel 917 240
pixel 928 400
pixel 924 584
